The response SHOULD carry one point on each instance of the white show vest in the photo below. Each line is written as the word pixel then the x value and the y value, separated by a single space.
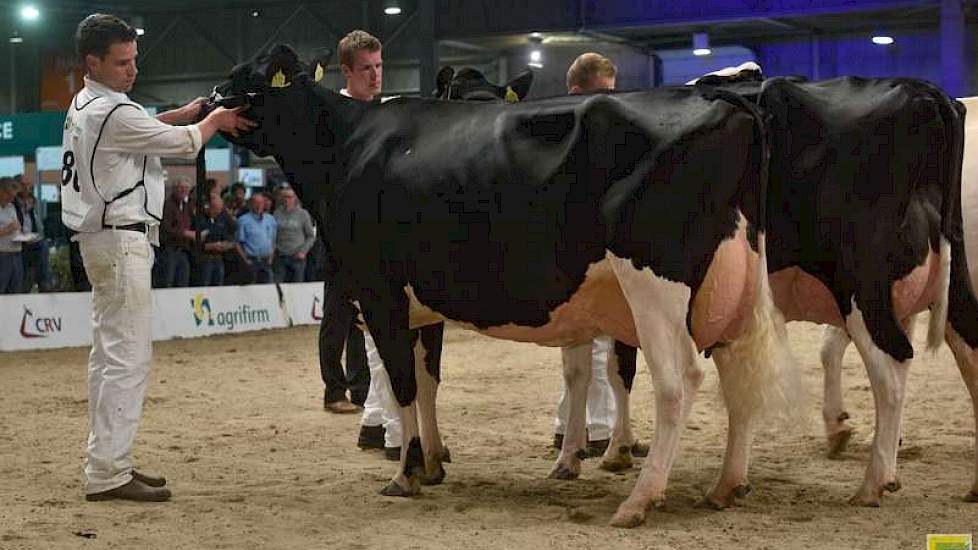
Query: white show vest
pixel 101 189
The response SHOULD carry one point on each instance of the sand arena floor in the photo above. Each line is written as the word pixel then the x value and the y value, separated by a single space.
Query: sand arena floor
pixel 236 424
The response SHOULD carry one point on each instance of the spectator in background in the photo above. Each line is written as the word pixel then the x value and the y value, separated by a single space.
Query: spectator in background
pixel 236 202
pixel 296 236
pixel 11 266
pixel 217 230
pixel 35 254
pixel 177 238
pixel 256 239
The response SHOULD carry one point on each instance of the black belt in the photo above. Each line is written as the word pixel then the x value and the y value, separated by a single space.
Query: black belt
pixel 137 227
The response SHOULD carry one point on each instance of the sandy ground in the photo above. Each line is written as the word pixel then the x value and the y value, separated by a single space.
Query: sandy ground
pixel 236 424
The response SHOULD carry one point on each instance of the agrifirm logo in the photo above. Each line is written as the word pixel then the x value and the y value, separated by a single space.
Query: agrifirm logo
pixel 32 326
pixel 228 319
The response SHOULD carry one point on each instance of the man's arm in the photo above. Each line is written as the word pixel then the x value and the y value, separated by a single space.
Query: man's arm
pixel 131 130
pixel 310 233
pixel 10 228
pixel 183 115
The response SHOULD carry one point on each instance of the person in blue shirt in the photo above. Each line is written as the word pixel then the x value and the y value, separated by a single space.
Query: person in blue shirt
pixel 257 231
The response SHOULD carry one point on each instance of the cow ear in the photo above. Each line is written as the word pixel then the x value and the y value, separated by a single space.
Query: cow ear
pixel 519 87
pixel 443 81
pixel 317 67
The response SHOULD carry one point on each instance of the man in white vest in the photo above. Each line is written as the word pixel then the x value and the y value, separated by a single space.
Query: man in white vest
pixel 112 197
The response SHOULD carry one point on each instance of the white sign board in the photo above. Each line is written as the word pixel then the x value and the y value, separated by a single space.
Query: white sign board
pixel 192 312
pixel 252 177
pixel 11 166
pixel 49 158
pixel 303 302
pixel 43 321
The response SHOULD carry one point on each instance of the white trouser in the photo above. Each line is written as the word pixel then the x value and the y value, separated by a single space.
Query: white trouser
pixel 380 407
pixel 119 265
pixel 600 399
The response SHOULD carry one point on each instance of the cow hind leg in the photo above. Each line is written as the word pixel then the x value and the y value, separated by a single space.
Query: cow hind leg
pixel 888 378
pixel 837 432
pixel 618 456
pixel 427 352
pixel 967 360
pixel 658 307
pixel 577 376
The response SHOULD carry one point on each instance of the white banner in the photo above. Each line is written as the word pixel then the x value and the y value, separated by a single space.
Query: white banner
pixel 43 321
pixel 192 312
pixel 303 302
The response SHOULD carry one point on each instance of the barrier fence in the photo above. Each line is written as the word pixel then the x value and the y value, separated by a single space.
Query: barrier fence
pixel 64 319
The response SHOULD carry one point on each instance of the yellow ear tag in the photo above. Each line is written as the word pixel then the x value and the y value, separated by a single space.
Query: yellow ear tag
pixel 511 96
pixel 278 80
pixel 319 72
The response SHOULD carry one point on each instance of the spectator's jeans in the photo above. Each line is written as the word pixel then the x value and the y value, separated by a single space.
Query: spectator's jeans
pixel 211 271
pixel 11 272
pixel 37 268
pixel 289 270
pixel 261 270
pixel 119 264
pixel 176 268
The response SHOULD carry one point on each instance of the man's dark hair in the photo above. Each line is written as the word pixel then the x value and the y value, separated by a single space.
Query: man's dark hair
pixel 237 185
pixel 97 32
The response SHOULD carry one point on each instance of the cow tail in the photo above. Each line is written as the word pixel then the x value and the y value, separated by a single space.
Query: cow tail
pixel 758 376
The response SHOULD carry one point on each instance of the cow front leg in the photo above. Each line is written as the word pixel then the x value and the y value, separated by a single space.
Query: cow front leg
pixel 837 432
pixel 618 457
pixel 967 360
pixel 576 361
pixel 887 378
pixel 427 352
pixel 386 311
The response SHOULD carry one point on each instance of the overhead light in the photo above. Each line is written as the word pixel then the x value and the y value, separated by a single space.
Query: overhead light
pixel 137 22
pixel 701 43
pixel 882 40
pixel 140 31
pixel 536 56
pixel 16 39
pixel 255 13
pixel 536 35
pixel 29 13
pixel 391 7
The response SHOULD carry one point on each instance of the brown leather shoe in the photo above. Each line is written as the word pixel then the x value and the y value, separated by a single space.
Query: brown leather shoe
pixel 340 407
pixel 151 480
pixel 134 490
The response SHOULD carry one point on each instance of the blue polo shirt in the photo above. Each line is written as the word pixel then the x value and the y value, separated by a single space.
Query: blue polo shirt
pixel 257 235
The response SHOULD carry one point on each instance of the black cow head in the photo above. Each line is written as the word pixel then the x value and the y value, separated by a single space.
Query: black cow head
pixel 470 84
pixel 296 117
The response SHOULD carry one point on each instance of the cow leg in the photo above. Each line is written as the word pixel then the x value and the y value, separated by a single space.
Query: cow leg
pixel 618 457
pixel 577 377
pixel 888 378
pixel 837 432
pixel 427 352
pixel 967 360
pixel 386 311
pixel 659 311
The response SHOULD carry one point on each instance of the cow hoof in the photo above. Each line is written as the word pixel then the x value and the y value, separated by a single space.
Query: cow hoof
pixel 618 464
pixel 563 472
pixel 864 500
pixel 446 456
pixel 395 490
pixel 893 486
pixel 710 503
pixel 434 479
pixel 742 491
pixel 971 497
pixel 838 441
pixel 627 518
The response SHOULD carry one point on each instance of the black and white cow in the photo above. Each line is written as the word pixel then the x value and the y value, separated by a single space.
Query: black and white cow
pixel 638 215
pixel 865 231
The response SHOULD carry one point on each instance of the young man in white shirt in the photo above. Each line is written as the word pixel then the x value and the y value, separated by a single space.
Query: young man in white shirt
pixel 112 197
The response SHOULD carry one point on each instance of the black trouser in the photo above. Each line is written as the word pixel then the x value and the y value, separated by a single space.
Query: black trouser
pixel 337 327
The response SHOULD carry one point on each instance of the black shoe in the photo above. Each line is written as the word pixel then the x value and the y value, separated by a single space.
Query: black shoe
pixel 371 437
pixel 392 453
pixel 558 441
pixel 148 479
pixel 640 449
pixel 134 490
pixel 596 448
